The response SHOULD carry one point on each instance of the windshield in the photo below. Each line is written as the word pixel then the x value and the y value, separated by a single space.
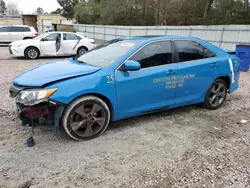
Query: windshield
pixel 108 52
pixel 40 36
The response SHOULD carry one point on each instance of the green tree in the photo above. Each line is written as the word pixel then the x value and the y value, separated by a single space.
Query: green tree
pixel 39 10
pixel 68 7
pixel 57 11
pixel 3 7
pixel 162 12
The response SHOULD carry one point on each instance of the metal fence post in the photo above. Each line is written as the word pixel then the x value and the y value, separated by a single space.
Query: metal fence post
pixel 166 31
pixel 221 37
pixel 146 30
pixel 115 32
pixel 130 31
pixel 93 31
pixel 104 34
pixel 190 32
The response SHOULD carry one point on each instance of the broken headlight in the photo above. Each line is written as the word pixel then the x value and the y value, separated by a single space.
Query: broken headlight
pixel 32 97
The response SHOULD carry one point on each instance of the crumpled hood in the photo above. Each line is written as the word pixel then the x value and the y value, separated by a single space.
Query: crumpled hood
pixel 53 71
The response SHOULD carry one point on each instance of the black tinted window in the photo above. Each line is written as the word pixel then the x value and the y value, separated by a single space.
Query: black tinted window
pixel 5 29
pixel 155 54
pixel 52 37
pixel 190 50
pixel 26 29
pixel 16 29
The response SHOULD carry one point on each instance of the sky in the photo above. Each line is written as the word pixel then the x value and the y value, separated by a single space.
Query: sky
pixel 29 6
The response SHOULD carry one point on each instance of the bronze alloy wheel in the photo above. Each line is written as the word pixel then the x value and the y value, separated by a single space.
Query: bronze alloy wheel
pixel 216 94
pixel 86 118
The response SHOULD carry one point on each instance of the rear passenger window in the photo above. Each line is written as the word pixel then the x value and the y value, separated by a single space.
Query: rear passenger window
pixel 190 50
pixel 16 29
pixel 67 36
pixel 154 54
pixel 26 29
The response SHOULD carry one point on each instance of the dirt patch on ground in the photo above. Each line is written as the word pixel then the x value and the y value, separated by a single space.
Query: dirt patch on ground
pixel 185 147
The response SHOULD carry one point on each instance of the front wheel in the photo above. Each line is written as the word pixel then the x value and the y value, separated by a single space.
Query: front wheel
pixel 86 118
pixel 31 53
pixel 216 95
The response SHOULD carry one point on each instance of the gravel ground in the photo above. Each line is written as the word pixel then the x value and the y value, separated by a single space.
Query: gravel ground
pixel 185 147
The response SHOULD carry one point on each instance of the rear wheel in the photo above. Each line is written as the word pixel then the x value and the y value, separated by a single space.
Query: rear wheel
pixel 81 51
pixel 31 53
pixel 216 95
pixel 86 118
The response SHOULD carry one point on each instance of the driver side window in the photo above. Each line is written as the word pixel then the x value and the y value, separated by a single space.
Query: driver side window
pixel 52 37
pixel 154 54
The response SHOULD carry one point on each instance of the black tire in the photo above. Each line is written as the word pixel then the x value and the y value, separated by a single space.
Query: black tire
pixel 216 95
pixel 81 50
pixel 86 118
pixel 31 53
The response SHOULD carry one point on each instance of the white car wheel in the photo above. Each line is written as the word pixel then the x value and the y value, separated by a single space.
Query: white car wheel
pixel 81 51
pixel 31 53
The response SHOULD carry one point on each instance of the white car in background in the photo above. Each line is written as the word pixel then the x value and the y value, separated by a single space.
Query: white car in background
pixel 48 28
pixel 16 32
pixel 52 44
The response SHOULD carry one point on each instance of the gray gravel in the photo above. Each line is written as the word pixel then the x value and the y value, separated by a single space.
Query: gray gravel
pixel 185 147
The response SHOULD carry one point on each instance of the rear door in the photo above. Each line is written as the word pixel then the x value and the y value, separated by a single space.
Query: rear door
pixel 144 90
pixel 69 43
pixel 51 45
pixel 26 33
pixel 17 33
pixel 197 68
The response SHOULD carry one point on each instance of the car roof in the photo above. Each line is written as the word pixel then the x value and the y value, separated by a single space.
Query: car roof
pixel 157 37
pixel 15 26
pixel 61 32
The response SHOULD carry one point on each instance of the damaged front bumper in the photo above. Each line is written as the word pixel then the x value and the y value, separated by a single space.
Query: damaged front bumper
pixel 39 112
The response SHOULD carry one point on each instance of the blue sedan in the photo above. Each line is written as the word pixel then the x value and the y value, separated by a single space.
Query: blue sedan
pixel 122 78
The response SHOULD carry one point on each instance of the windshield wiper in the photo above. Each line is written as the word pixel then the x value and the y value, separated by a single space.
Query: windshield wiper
pixel 76 59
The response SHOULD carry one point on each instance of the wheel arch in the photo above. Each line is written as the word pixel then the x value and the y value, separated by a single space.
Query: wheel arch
pixel 102 97
pixel 32 47
pixel 226 79
pixel 82 47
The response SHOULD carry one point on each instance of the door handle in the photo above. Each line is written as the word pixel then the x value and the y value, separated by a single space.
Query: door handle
pixel 213 65
pixel 170 71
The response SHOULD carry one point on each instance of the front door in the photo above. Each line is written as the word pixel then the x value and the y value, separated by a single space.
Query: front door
pixel 197 69
pixel 5 34
pixel 51 45
pixel 69 43
pixel 144 90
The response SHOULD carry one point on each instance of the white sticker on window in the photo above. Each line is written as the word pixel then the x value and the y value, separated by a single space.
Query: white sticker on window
pixel 127 44
pixel 232 69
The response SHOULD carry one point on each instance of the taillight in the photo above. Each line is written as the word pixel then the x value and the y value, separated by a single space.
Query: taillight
pixel 36 34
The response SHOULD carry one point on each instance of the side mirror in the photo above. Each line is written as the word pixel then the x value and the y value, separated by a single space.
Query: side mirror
pixel 131 65
pixel 42 39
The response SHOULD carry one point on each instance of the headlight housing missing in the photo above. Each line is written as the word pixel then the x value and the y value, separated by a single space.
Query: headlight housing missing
pixel 32 97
